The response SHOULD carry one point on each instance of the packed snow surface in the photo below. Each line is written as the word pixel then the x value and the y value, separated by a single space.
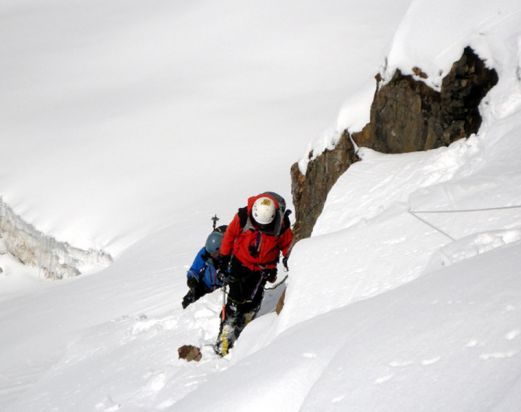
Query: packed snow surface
pixel 405 298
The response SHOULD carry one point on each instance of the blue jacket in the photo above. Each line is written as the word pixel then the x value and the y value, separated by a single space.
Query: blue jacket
pixel 204 271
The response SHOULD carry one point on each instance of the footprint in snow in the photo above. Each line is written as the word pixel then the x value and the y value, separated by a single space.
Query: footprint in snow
pixel 108 405
pixel 472 343
pixel 431 361
pixel 156 383
pixel 383 379
pixel 400 364
pixel 166 404
pixel 497 355
pixel 338 399
pixel 145 325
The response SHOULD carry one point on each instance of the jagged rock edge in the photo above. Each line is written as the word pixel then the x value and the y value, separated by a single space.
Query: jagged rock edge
pixel 56 260
pixel 438 123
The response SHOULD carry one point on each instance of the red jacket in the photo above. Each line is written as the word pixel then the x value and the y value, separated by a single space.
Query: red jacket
pixel 254 248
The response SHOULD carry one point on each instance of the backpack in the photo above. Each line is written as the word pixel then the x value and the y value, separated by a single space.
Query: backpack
pixel 220 229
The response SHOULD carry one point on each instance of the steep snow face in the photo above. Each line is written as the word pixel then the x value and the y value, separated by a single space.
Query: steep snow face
pixel 154 111
pixel 367 241
pixel 126 123
pixel 450 340
pixel 368 211
pixel 386 310
pixel 383 312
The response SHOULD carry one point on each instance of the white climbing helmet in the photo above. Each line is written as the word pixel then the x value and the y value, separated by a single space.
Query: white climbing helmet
pixel 263 210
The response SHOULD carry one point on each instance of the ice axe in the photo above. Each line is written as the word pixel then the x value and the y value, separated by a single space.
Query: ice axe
pixel 215 219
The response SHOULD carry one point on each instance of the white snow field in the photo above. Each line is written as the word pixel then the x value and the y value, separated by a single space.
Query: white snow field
pixel 113 117
pixel 118 118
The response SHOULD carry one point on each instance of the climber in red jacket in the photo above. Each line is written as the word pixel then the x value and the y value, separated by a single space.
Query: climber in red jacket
pixel 248 259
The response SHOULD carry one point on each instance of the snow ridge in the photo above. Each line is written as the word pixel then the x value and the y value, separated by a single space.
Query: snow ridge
pixel 57 260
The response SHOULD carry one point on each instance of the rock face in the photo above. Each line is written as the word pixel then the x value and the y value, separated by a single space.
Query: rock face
pixel 310 190
pixel 55 259
pixel 406 116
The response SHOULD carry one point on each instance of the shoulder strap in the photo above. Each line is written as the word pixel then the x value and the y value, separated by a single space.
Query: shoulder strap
pixel 286 223
pixel 244 220
pixel 243 216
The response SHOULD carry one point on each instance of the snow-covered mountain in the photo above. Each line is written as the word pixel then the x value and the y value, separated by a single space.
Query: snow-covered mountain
pixel 126 127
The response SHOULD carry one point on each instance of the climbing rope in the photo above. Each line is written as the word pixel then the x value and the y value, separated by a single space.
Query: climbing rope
pixel 430 224
pixel 485 209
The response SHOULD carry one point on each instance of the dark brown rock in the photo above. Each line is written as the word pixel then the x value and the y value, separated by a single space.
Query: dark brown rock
pixel 190 353
pixel 406 116
pixel 310 190
pixel 419 72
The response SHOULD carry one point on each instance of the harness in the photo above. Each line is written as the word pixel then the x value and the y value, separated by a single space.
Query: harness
pixel 280 224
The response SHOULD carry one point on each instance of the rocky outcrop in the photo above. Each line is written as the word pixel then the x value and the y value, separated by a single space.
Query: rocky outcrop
pixel 406 116
pixel 55 259
pixel 310 190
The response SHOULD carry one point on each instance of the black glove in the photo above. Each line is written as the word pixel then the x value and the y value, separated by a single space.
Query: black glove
pixel 222 263
pixel 192 282
pixel 270 275
pixel 226 277
pixel 285 263
pixel 221 276
pixel 189 298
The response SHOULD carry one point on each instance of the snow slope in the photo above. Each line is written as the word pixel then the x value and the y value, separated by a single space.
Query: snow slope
pixel 119 119
pixel 450 340
pixel 125 126
pixel 383 312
